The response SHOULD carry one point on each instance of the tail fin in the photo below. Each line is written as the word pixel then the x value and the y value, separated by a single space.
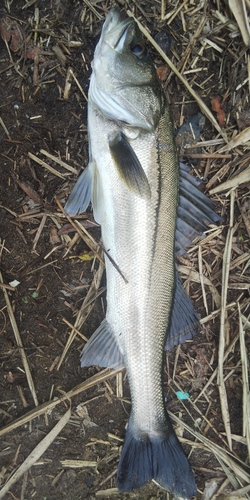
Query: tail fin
pixel 161 459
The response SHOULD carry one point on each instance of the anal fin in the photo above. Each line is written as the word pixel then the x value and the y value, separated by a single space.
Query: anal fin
pixel 102 349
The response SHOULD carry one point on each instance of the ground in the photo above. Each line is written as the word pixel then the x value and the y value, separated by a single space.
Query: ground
pixel 46 50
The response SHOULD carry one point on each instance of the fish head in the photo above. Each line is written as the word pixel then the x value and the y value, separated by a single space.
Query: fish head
pixel 124 84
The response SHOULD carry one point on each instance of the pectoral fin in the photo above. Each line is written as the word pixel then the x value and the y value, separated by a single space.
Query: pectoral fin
pixel 129 166
pixel 79 198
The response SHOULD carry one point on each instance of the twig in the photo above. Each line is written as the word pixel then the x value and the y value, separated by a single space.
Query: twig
pixel 83 233
pixel 20 344
pixel 212 377
pixel 200 102
pixel 45 165
pixel 39 231
pixel 49 405
pixel 36 453
pixel 245 383
pixel 201 279
pixel 223 317
pixel 59 161
pixel 237 467
pixel 5 128
pixel 85 310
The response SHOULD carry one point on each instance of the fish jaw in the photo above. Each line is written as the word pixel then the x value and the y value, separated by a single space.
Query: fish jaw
pixel 113 52
pixel 112 32
pixel 124 87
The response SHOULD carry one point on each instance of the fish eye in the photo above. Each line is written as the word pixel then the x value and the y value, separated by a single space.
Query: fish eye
pixel 139 50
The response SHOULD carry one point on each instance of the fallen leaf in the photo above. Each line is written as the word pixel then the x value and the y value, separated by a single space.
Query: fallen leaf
pixel 162 72
pixel 12 33
pixel 32 52
pixel 53 236
pixel 216 106
pixel 28 190
pixel 86 256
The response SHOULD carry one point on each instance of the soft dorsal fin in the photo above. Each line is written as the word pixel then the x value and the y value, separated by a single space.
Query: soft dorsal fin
pixel 184 323
pixel 195 211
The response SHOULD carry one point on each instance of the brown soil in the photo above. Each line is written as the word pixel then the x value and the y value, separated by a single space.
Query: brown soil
pixel 52 286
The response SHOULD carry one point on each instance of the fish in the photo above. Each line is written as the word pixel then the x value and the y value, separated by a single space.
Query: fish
pixel 150 209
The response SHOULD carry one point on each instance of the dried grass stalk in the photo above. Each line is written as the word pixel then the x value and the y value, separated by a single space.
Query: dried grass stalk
pixel 5 128
pixel 238 140
pixel 59 161
pixel 78 85
pixel 106 493
pixel 223 319
pixel 232 183
pixel 245 383
pixel 235 495
pixel 84 311
pixel 45 165
pixel 238 467
pixel 202 280
pixel 195 277
pixel 83 233
pixel 215 372
pixel 20 344
pixel 196 96
pixel 238 8
pixel 49 405
pixel 78 464
pixel 36 453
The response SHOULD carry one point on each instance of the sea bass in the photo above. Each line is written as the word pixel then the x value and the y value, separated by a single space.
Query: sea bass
pixel 148 207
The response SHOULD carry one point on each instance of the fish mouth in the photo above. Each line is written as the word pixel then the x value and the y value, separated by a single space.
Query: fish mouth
pixel 115 30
